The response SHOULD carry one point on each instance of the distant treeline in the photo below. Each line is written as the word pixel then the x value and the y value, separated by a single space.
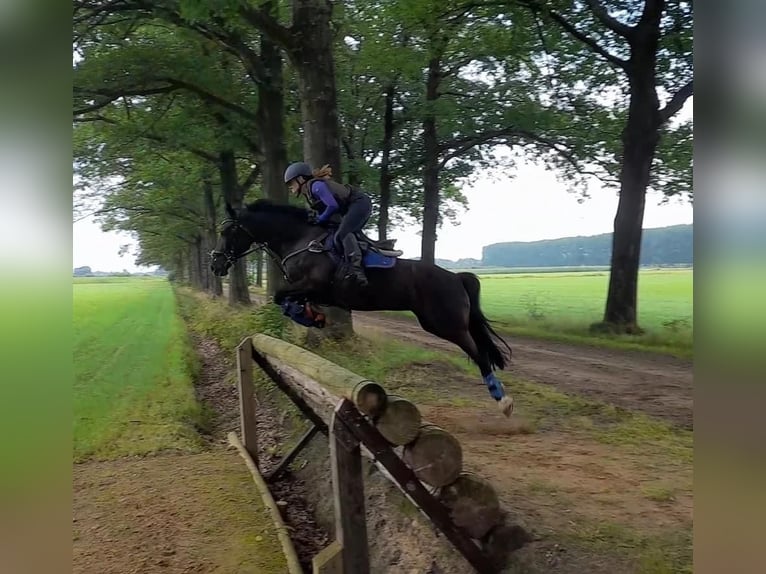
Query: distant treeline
pixel 662 246
pixel 86 271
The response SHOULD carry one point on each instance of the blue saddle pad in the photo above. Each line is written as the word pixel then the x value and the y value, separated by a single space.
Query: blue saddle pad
pixel 370 258
pixel 375 259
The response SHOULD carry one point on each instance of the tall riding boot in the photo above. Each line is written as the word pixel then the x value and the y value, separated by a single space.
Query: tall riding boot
pixel 354 258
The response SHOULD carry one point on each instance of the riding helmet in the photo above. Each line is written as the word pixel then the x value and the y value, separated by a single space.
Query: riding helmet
pixel 298 168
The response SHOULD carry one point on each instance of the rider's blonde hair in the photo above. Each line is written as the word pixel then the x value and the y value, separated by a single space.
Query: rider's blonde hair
pixel 324 172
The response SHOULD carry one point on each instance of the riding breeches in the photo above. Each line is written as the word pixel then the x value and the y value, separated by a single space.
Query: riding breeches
pixel 356 217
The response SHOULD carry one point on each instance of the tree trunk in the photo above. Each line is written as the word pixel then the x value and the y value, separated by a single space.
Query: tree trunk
pixel 238 287
pixel 639 144
pixel 271 129
pixel 431 165
pixel 319 110
pixel 195 264
pixel 214 285
pixel 316 81
pixel 352 176
pixel 259 269
pixel 385 163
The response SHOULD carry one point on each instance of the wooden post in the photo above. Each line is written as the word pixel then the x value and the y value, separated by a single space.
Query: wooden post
pixel 247 414
pixel 348 497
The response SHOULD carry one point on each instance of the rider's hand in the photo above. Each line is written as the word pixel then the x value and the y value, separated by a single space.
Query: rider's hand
pixel 312 218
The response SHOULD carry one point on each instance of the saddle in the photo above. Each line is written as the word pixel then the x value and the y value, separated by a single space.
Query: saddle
pixel 368 245
pixel 385 247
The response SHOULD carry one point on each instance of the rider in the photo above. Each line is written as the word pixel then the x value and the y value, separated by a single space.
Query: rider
pixel 329 197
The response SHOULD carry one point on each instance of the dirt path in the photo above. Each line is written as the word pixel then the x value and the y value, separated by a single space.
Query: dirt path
pixel 599 494
pixel 658 385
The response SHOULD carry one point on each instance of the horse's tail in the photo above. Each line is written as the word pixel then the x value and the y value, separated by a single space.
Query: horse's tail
pixel 487 340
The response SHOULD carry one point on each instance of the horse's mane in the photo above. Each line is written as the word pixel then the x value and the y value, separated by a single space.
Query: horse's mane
pixel 267 206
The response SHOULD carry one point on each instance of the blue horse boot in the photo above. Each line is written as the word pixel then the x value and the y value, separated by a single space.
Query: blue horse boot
pixel 496 390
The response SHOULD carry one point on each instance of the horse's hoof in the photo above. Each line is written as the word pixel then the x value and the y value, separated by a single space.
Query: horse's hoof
pixel 506 405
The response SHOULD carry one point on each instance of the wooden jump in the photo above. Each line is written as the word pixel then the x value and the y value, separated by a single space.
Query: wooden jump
pixel 361 419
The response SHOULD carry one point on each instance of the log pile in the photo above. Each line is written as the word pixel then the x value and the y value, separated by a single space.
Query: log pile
pixel 431 452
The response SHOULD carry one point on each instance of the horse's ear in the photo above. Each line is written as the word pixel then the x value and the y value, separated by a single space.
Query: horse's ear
pixel 230 211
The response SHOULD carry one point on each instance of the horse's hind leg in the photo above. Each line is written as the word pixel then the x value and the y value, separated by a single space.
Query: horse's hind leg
pixel 460 335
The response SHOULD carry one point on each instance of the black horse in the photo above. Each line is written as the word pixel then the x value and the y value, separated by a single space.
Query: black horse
pixel 445 303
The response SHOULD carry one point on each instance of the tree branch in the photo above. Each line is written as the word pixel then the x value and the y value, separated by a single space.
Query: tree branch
pixel 562 151
pixel 212 98
pixel 588 41
pixel 572 30
pixel 677 101
pixel 612 23
pixel 267 24
pixel 191 149
pixel 112 96
pixel 463 144
pixel 455 68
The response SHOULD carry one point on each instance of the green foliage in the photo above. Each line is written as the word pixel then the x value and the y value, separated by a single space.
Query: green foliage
pixel 595 93
pixel 491 93
pixel 154 107
pixel 226 325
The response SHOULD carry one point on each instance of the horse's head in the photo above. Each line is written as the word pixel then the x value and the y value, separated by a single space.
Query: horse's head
pixel 233 242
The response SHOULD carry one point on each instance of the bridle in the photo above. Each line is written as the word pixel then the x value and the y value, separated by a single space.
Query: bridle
pixel 314 246
pixel 229 254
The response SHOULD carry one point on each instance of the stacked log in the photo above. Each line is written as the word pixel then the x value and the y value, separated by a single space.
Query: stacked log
pixel 473 504
pixel 431 452
pixel 435 456
pixel 400 422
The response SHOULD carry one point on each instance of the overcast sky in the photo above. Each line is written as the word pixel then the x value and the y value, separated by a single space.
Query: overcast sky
pixel 533 205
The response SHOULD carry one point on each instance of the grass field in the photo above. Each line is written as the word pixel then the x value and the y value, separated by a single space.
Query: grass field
pixel 562 305
pixel 132 391
pixel 568 302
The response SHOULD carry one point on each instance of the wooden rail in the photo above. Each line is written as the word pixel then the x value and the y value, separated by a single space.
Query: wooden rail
pixel 346 408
